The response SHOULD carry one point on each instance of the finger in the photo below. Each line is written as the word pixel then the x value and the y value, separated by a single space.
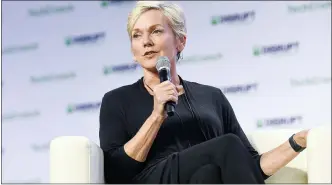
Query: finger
pixel 161 86
pixel 172 98
pixel 179 88
pixel 172 92
pixel 165 83
pixel 169 86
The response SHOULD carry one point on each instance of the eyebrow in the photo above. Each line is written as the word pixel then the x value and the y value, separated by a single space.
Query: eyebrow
pixel 151 27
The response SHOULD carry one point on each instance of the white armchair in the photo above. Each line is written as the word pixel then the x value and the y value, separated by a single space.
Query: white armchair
pixel 75 159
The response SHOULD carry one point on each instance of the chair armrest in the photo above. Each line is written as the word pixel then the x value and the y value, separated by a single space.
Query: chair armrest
pixel 266 140
pixel 319 155
pixel 75 159
pixel 296 170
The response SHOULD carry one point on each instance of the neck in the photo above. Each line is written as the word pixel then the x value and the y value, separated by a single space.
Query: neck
pixel 152 78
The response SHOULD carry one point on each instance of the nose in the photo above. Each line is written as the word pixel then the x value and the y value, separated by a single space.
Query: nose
pixel 147 41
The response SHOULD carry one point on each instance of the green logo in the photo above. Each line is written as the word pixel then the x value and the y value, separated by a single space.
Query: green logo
pixel 83 107
pixel 104 3
pixel 259 123
pixel 276 49
pixel 256 51
pixel 68 41
pixel 107 70
pixel 120 68
pixel 50 9
pixel 279 121
pixel 201 58
pixel 309 7
pixel 53 77
pixel 93 38
pixel 20 115
pixel 214 20
pixel 21 48
pixel 70 108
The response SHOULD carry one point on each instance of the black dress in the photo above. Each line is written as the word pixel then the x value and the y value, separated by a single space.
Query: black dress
pixel 202 143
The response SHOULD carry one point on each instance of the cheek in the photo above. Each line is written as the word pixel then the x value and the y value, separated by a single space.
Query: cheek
pixel 168 44
pixel 135 49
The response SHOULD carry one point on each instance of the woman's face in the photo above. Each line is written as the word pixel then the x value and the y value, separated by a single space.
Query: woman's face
pixel 153 37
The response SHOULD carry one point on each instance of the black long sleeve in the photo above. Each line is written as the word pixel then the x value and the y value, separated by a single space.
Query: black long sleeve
pixel 118 166
pixel 233 126
pixel 124 110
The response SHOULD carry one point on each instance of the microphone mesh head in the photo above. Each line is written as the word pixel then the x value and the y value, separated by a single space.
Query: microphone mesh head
pixel 163 62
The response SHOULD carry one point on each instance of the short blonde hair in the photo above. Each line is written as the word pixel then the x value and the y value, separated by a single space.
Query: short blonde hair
pixel 172 11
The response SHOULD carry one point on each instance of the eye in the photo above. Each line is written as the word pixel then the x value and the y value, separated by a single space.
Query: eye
pixel 158 31
pixel 136 35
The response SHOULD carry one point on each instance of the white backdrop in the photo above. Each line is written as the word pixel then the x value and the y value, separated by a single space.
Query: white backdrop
pixel 271 59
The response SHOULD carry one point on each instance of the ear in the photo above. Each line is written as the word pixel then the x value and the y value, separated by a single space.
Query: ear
pixel 181 43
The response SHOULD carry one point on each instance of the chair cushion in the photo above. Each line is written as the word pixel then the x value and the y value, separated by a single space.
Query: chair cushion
pixel 75 159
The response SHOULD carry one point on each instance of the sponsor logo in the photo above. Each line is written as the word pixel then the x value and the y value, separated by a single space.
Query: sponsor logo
pixel 40 147
pixel 201 58
pixel 85 39
pixel 290 47
pixel 50 10
pixel 52 77
pixel 83 107
pixel 291 120
pixel 20 115
pixel 21 48
pixel 309 7
pixel 244 88
pixel 120 68
pixel 310 81
pixel 244 17
pixel 108 3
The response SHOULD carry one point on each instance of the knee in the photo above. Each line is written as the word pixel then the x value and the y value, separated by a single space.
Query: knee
pixel 231 139
pixel 225 144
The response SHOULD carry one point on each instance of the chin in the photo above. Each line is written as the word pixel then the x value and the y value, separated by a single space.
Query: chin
pixel 150 63
pixel 150 67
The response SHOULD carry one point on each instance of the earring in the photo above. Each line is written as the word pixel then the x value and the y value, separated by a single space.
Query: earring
pixel 179 57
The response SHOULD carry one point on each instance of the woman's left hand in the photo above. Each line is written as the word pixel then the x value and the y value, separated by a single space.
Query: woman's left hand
pixel 301 138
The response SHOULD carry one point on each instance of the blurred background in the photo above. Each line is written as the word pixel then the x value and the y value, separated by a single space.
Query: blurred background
pixel 271 59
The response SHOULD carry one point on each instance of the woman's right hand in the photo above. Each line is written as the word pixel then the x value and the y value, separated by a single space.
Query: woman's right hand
pixel 139 146
pixel 164 92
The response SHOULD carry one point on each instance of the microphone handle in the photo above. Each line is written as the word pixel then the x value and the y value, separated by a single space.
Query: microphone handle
pixel 164 75
pixel 170 108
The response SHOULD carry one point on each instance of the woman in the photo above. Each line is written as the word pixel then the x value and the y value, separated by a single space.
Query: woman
pixel 202 143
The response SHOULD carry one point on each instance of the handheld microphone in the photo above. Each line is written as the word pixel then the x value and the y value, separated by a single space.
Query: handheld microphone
pixel 163 67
